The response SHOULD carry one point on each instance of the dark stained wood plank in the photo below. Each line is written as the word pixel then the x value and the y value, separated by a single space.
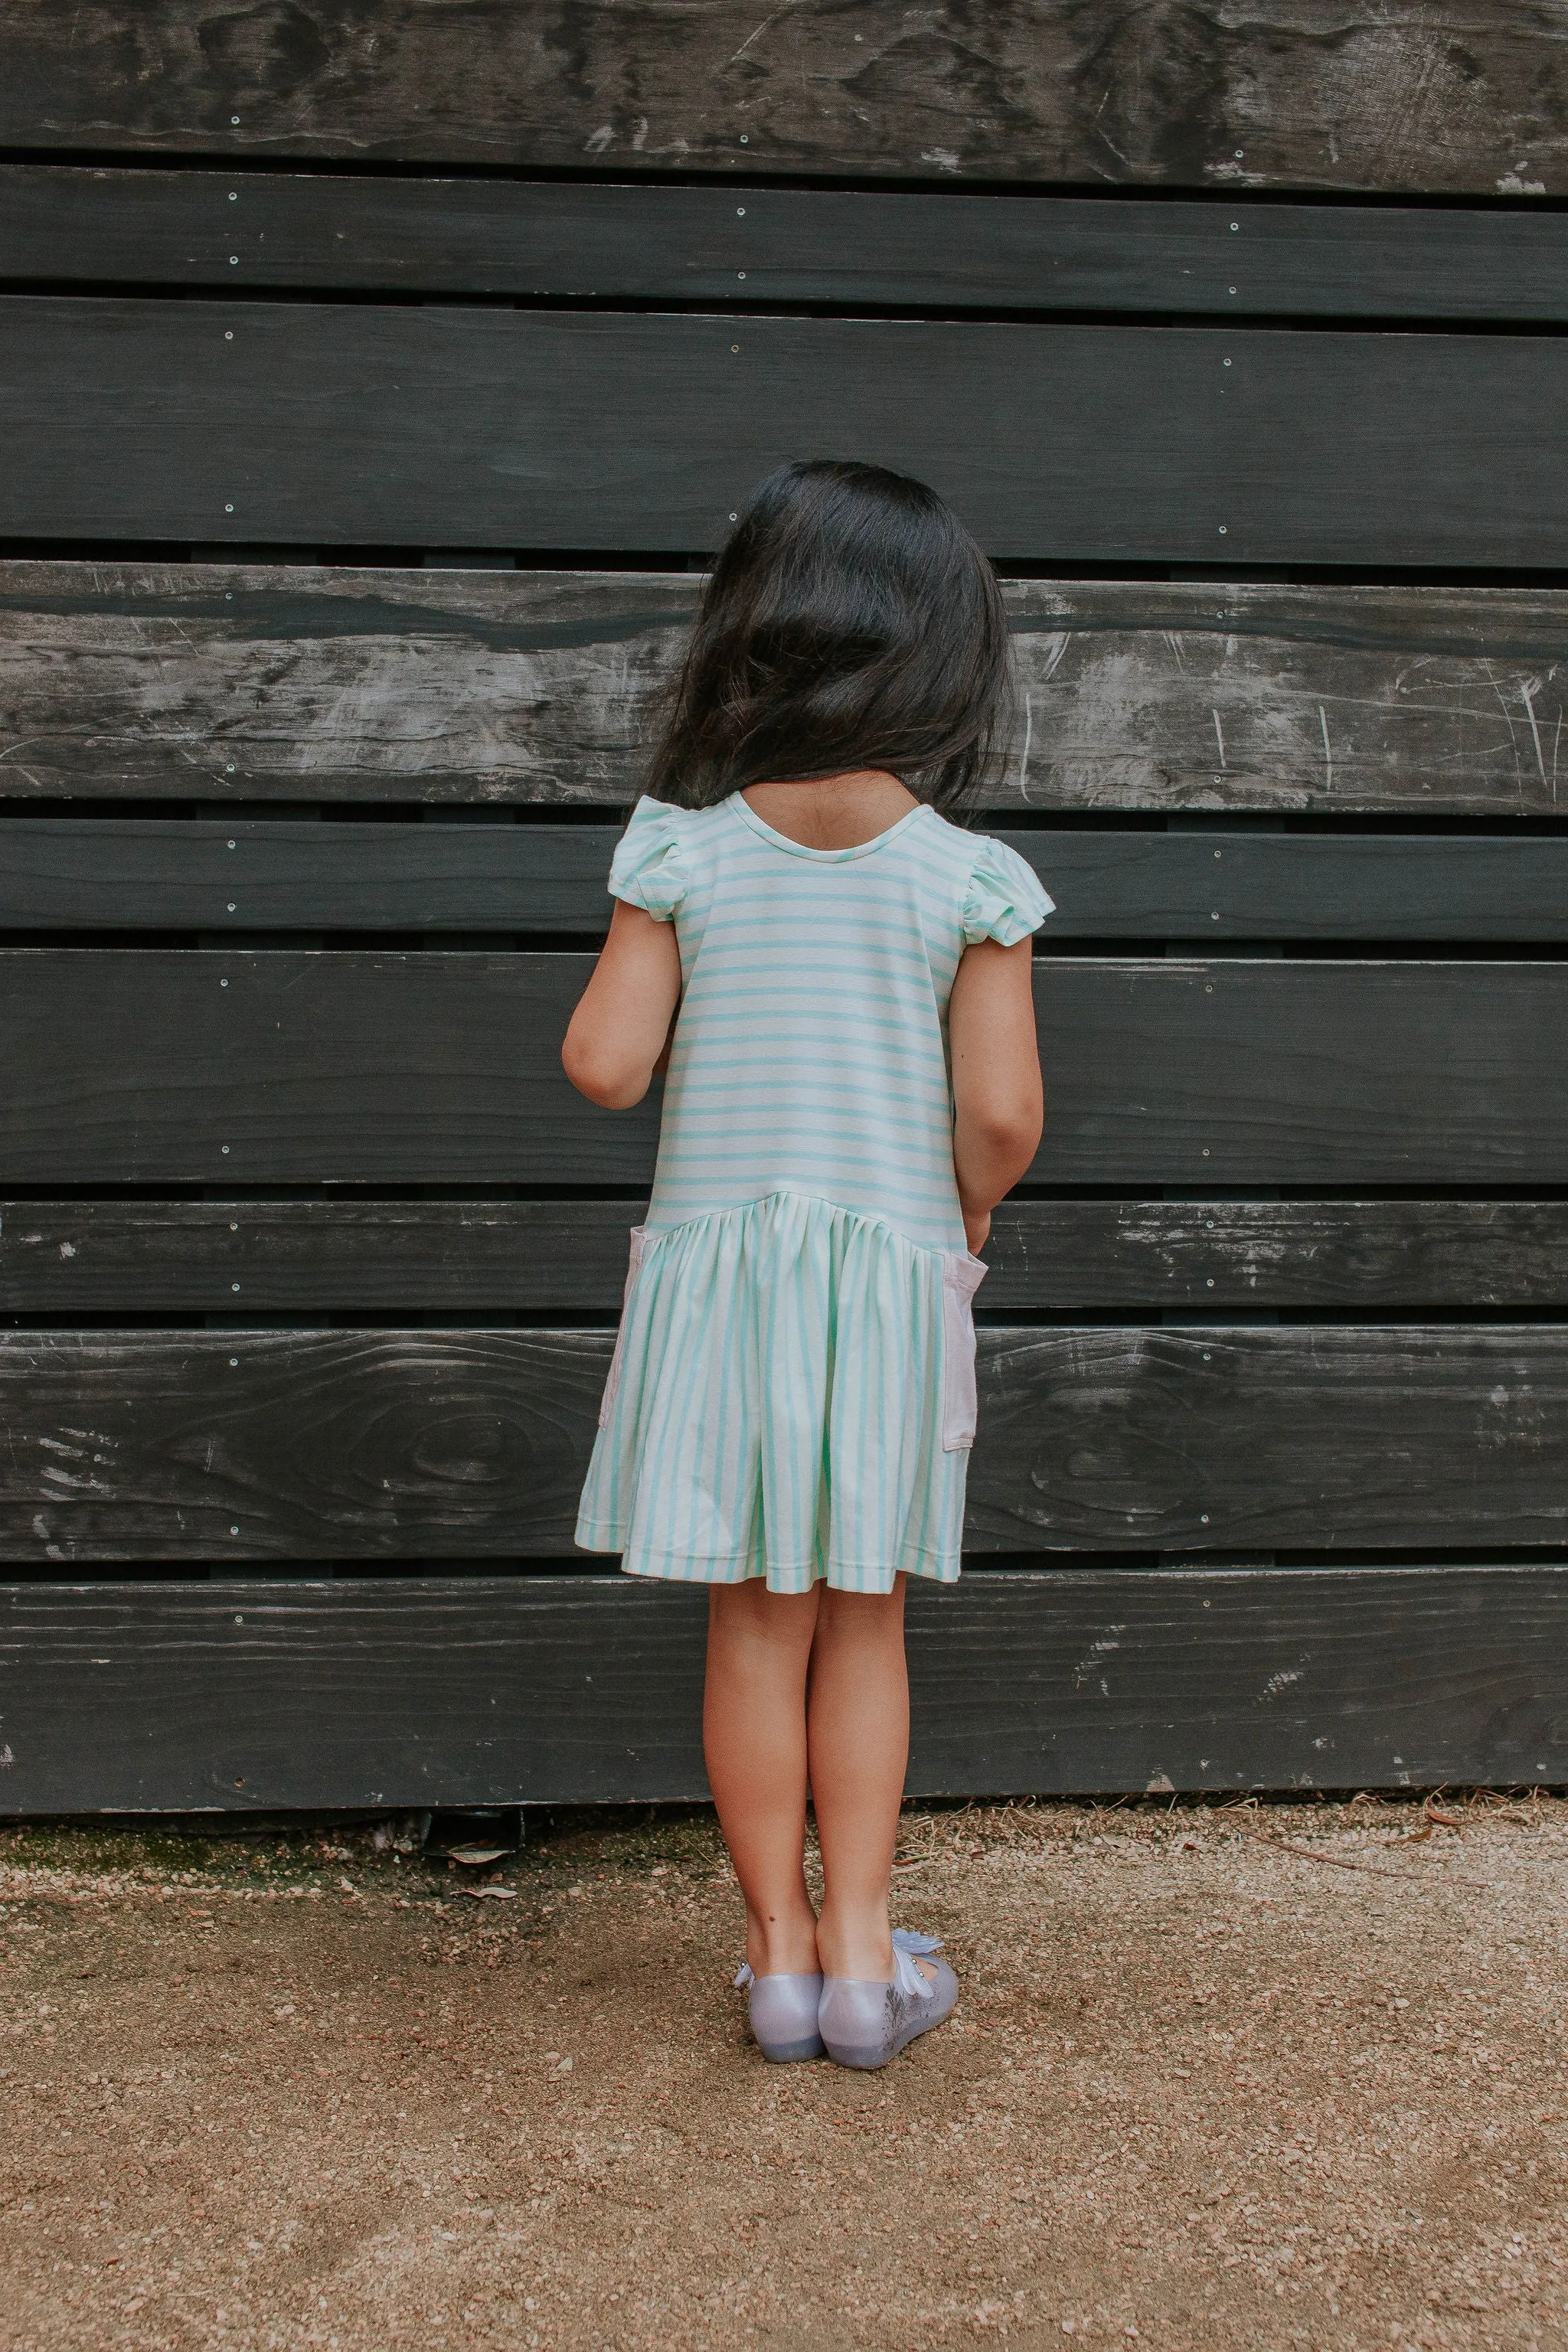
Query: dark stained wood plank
pixel 1271 1072
pixel 1252 886
pixel 150 873
pixel 258 682
pixel 438 1687
pixel 1210 1254
pixel 244 874
pixel 472 1443
pixel 94 1259
pixel 905 250
pixel 106 1256
pixel 281 1066
pixel 1357 1677
pixel 317 1256
pixel 324 422
pixel 296 1444
pixel 278 1066
pixel 250 1696
pixel 1329 1436
pixel 1173 95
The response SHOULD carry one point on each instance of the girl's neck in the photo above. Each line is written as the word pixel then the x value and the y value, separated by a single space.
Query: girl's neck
pixel 833 812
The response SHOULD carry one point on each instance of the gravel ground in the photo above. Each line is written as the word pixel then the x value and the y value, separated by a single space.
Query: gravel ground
pixel 1259 2077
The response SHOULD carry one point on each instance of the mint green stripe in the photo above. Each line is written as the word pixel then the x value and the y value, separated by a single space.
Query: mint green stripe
pixel 779 1409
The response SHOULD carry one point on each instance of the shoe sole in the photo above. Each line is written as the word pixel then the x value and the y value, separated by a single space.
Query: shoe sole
pixel 787 2053
pixel 869 2058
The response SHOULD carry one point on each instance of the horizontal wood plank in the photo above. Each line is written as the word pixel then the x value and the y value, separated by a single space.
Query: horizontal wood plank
pixel 1300 1254
pixel 1211 885
pixel 430 1445
pixel 282 1066
pixel 903 250
pixel 1168 95
pixel 170 874
pixel 1322 1437
pixel 1301 1073
pixel 348 685
pixel 248 875
pixel 297 1444
pixel 1243 1072
pixel 250 1696
pixel 321 1256
pixel 322 423
pixel 337 684
pixel 95 1259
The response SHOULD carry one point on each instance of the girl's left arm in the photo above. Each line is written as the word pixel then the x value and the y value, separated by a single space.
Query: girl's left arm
pixel 617 1036
pixel 998 1101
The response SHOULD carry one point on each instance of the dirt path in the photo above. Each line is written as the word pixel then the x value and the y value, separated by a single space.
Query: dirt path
pixel 1201 2091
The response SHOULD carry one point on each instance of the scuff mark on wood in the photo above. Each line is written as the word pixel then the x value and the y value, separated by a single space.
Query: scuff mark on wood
pixel 244 682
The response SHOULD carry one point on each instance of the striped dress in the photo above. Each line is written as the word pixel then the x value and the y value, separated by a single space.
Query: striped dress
pixel 793 1389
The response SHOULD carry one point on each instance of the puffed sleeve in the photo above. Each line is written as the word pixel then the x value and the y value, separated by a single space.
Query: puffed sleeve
pixel 1004 901
pixel 649 869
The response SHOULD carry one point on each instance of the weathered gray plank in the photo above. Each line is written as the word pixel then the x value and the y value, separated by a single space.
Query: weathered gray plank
pixel 367 1444
pixel 903 250
pixel 298 683
pixel 1190 95
pixel 258 682
pixel 325 423
pixel 244 874
pixel 95 1259
pixel 290 683
pixel 280 1067
pixel 235 1696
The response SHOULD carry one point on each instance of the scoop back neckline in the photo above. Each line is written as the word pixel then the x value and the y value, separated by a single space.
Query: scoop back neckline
pixel 748 816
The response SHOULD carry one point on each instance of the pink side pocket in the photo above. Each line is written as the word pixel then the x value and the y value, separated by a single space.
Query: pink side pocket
pixel 613 1380
pixel 962 1276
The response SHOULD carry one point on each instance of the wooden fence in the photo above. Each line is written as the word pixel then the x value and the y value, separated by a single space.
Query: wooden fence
pixel 374 380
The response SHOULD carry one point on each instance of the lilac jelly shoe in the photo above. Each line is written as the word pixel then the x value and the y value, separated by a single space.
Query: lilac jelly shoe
pixel 784 2015
pixel 865 2022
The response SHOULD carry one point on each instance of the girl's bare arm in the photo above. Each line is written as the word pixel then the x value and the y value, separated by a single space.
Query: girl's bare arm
pixel 998 1100
pixel 617 1036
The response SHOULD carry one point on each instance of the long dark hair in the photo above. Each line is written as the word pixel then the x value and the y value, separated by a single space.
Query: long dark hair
pixel 850 622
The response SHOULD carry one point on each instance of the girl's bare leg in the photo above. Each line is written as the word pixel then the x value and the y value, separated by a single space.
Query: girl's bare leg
pixel 753 1737
pixel 858 1741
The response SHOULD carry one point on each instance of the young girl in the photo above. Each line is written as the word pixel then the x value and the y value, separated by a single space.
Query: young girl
pixel 837 979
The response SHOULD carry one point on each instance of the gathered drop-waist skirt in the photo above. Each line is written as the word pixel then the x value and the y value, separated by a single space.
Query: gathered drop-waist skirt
pixel 792 1396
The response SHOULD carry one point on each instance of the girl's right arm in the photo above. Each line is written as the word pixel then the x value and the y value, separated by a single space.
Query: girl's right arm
pixel 998 1100
pixel 619 1034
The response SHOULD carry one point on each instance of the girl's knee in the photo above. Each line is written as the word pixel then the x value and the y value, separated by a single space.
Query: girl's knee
pixel 862 1616
pixel 749 1611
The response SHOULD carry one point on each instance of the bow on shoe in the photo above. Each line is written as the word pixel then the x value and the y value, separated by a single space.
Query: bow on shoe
pixel 910 1980
pixel 744 1977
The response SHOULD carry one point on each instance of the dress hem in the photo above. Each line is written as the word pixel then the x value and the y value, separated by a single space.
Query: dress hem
pixel 744 1569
